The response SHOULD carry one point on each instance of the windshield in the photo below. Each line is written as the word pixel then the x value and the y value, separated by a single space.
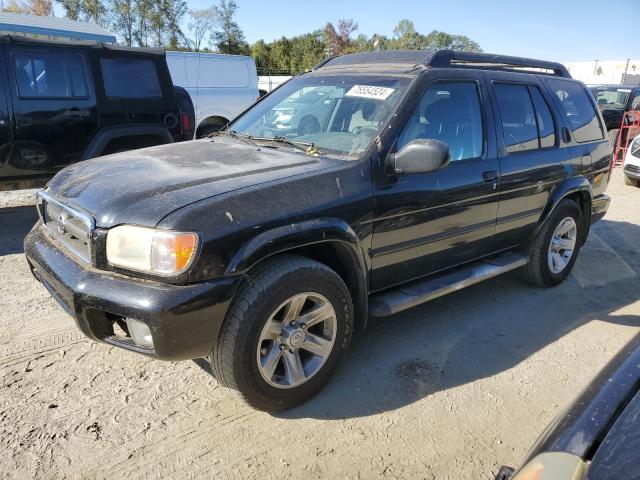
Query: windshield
pixel 336 114
pixel 611 97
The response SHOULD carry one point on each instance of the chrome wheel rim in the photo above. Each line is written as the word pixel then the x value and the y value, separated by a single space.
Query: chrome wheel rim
pixel 296 340
pixel 563 243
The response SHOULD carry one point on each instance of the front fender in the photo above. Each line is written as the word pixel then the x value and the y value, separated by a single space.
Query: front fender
pixel 307 234
pixel 288 237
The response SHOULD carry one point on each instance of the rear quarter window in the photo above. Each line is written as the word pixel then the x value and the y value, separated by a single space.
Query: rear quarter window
pixel 578 110
pixel 130 78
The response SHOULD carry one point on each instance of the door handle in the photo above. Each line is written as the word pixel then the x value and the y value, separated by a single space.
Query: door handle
pixel 490 176
pixel 76 113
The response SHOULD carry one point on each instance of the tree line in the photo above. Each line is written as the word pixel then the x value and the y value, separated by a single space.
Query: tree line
pixel 171 24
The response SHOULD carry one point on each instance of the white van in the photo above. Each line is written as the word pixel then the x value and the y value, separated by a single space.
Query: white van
pixel 221 86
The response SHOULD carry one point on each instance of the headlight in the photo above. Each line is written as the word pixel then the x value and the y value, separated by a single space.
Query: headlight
pixel 150 250
pixel 635 145
pixel 553 466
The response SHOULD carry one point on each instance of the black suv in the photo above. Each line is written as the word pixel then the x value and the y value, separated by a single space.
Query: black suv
pixel 427 172
pixel 63 102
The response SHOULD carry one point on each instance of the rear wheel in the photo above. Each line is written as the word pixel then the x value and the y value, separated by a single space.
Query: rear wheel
pixel 555 248
pixel 285 333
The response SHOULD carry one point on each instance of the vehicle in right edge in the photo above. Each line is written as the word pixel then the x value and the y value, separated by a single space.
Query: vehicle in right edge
pixel 597 436
pixel 262 248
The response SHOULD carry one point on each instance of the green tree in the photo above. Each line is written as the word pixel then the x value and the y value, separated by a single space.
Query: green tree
pixel 201 23
pixel 72 8
pixel 228 37
pixel 123 19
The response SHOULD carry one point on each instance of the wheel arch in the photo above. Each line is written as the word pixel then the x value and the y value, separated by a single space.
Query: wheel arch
pixel 577 189
pixel 329 241
pixel 106 134
pixel 218 120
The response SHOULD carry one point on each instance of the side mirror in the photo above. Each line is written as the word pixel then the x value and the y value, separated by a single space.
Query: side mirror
pixel 422 156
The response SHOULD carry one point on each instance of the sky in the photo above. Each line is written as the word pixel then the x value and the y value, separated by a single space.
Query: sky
pixel 560 30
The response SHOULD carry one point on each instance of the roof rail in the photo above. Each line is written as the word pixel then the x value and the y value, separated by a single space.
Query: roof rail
pixel 450 58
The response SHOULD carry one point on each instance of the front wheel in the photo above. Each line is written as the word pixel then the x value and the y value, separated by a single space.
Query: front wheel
pixel 285 333
pixel 554 250
pixel 631 181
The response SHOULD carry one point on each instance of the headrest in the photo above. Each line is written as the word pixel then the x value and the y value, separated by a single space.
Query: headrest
pixel 443 111
pixel 513 112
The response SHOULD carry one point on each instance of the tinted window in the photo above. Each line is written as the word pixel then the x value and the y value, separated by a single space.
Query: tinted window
pixel 50 74
pixel 518 117
pixel 546 129
pixel 578 110
pixel 449 112
pixel 130 78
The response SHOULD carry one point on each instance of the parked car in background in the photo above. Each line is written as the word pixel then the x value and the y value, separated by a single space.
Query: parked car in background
pixel 61 102
pixel 598 436
pixel 221 86
pixel 631 167
pixel 613 101
pixel 428 172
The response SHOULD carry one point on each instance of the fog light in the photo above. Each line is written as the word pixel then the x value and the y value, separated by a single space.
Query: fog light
pixel 140 333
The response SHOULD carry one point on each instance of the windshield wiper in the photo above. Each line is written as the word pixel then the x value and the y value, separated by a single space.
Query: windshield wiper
pixel 241 136
pixel 307 147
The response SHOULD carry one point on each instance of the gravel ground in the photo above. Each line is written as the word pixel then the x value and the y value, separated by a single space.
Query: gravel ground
pixel 18 198
pixel 449 390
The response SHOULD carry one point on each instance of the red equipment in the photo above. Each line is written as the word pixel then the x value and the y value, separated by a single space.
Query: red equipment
pixel 629 128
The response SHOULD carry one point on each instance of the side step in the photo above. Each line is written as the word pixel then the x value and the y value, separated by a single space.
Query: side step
pixel 421 291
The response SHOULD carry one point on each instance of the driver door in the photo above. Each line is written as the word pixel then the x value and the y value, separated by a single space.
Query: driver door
pixel 426 222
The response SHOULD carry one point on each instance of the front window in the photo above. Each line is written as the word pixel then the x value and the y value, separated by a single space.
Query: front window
pixel 339 115
pixel 611 97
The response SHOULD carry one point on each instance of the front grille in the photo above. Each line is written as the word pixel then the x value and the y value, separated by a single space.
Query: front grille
pixel 632 168
pixel 72 228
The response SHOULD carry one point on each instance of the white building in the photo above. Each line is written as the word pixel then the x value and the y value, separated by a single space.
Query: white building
pixel 625 72
pixel 52 28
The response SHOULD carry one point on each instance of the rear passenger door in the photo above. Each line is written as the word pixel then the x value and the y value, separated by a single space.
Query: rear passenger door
pixel 532 159
pixel 54 106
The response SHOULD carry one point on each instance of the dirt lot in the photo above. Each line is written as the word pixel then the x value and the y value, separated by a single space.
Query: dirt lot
pixel 450 390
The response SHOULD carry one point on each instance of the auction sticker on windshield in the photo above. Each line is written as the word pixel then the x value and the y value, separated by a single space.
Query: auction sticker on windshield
pixel 367 91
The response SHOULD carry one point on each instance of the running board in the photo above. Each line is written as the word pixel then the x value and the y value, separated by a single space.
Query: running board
pixel 421 291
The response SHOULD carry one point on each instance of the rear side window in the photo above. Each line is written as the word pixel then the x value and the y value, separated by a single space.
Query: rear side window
pixel 518 117
pixel 546 128
pixel 130 78
pixel 578 110
pixel 50 74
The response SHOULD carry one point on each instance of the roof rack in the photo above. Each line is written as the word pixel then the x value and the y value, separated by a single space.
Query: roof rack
pixel 449 58
pixel 446 58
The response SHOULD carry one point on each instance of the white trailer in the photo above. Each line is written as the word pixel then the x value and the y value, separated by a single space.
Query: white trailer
pixel 220 86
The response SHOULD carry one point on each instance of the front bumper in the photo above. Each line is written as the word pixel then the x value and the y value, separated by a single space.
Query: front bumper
pixel 184 320
pixel 599 207
pixel 632 171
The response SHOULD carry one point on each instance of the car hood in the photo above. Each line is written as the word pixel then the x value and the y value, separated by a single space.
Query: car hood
pixel 143 186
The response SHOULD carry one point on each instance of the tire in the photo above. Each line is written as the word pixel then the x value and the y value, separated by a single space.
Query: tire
pixel 631 181
pixel 539 271
pixel 236 361
pixel 308 125
pixel 614 133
